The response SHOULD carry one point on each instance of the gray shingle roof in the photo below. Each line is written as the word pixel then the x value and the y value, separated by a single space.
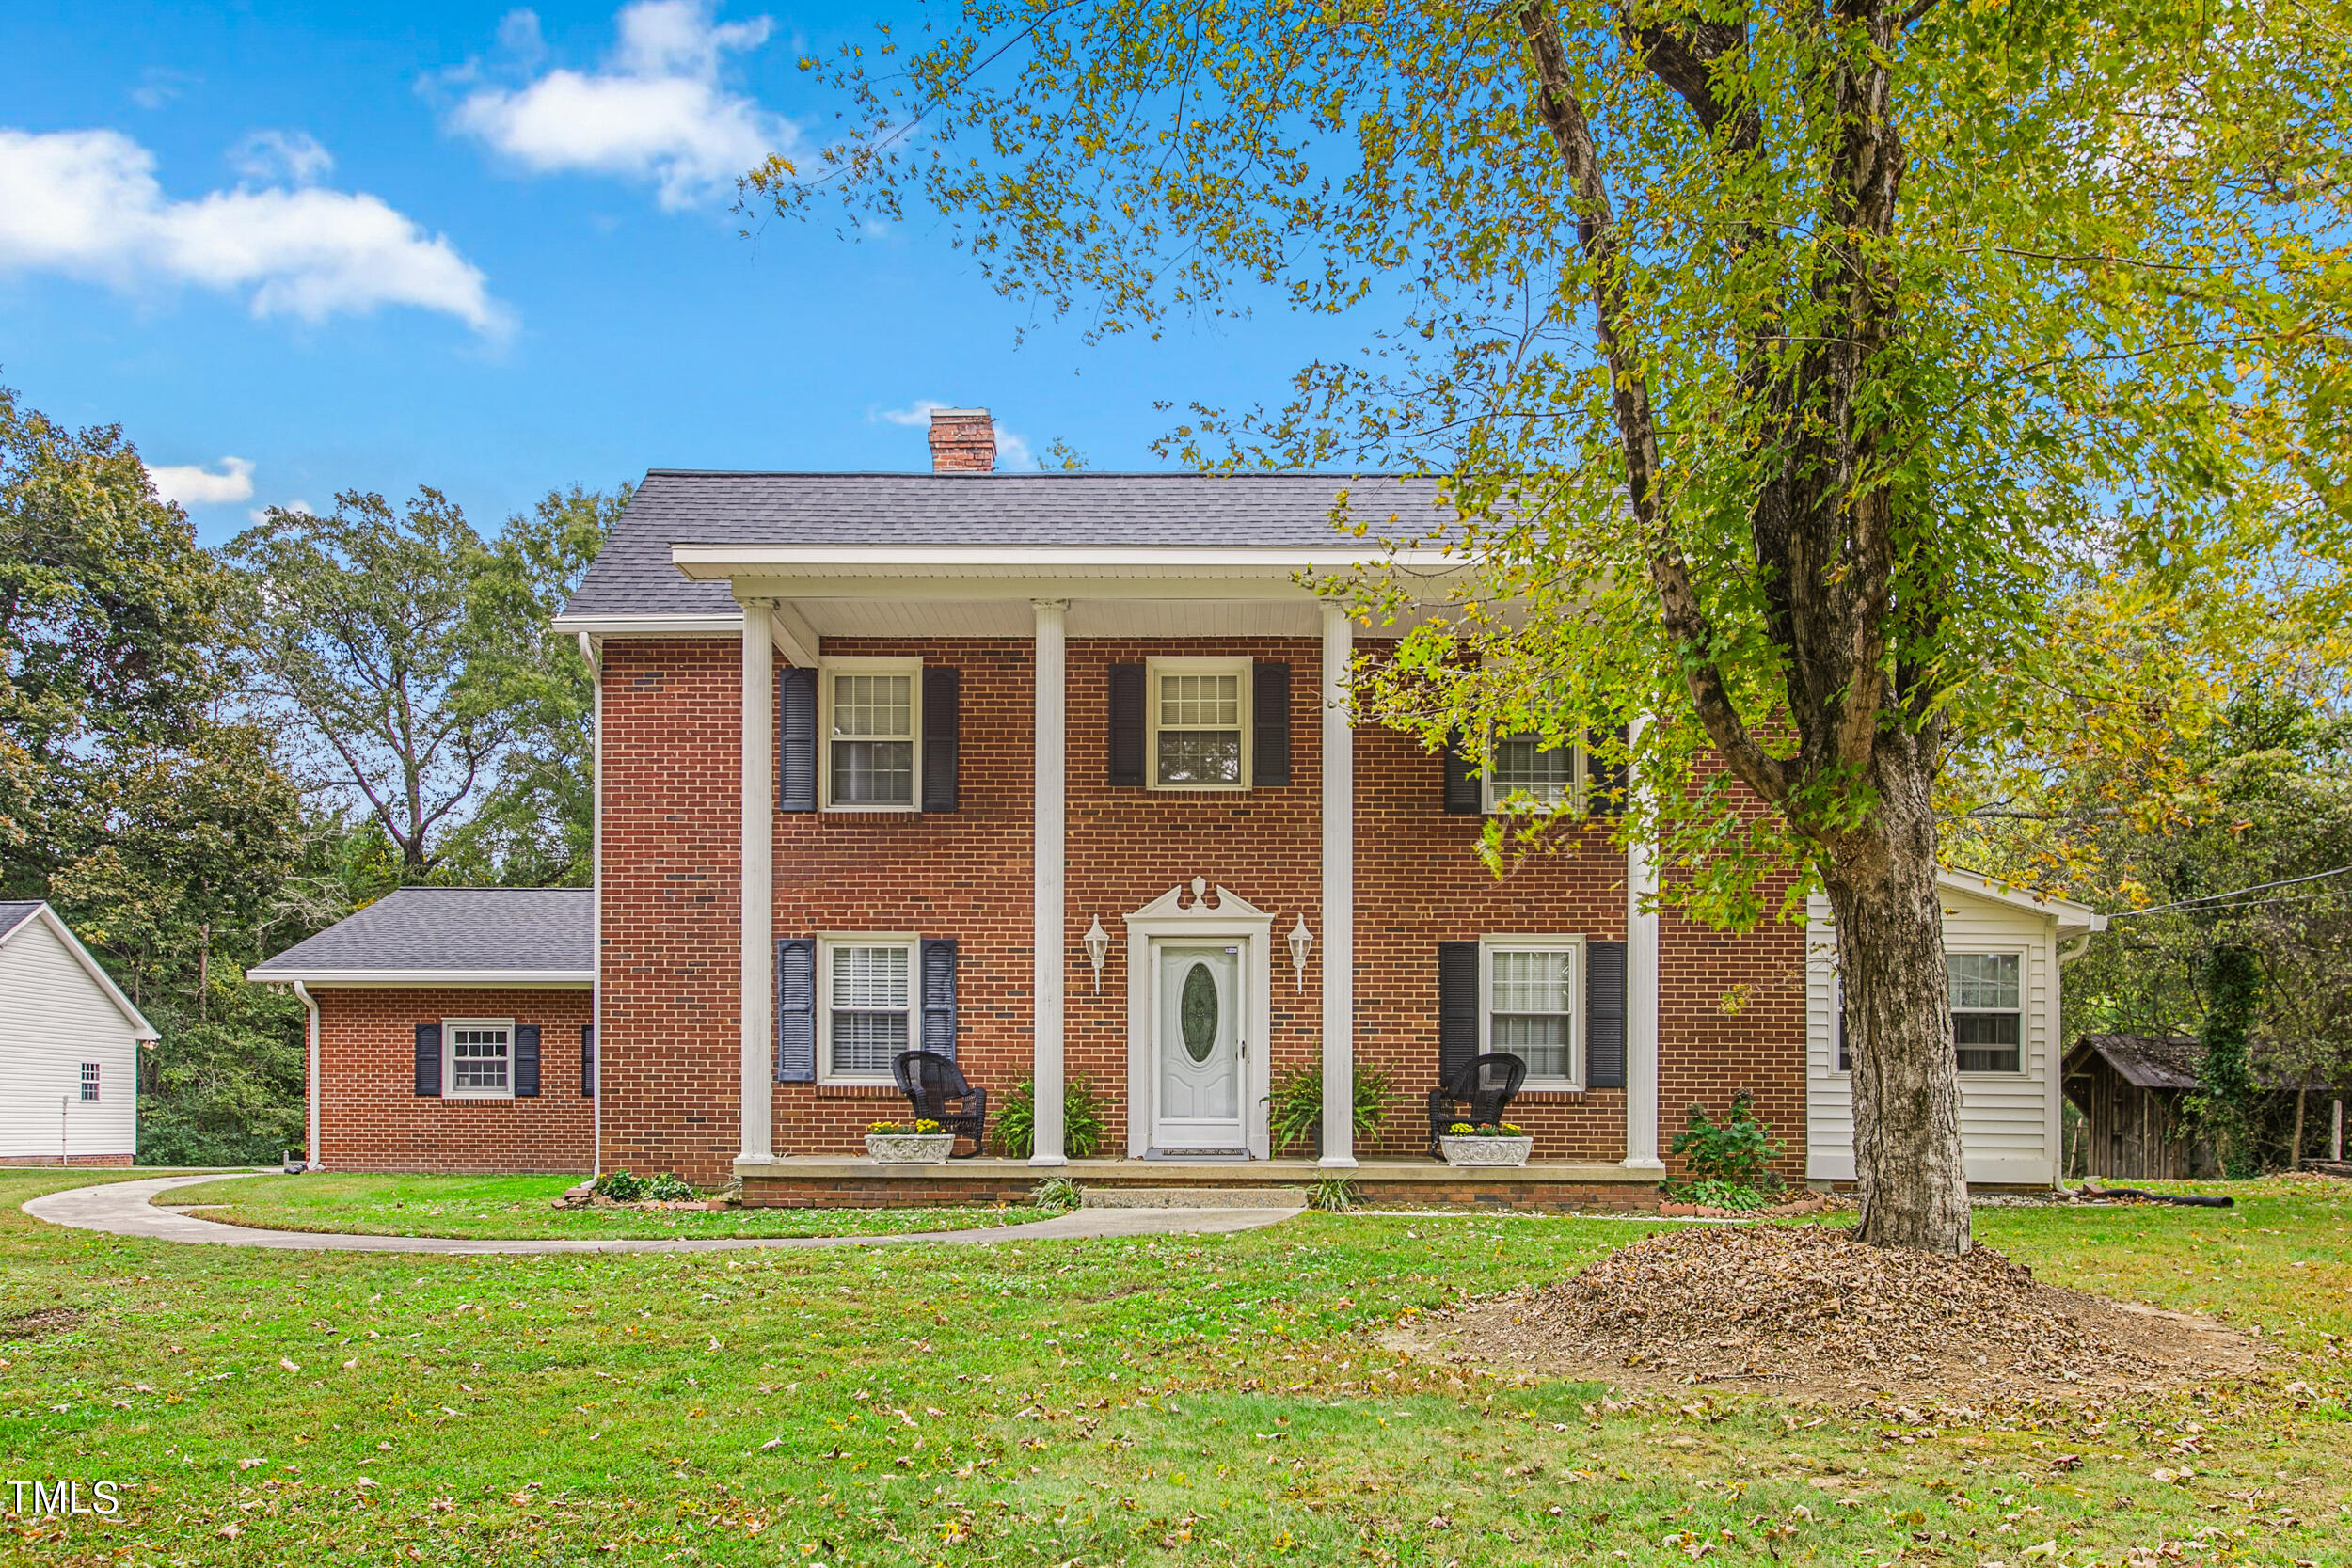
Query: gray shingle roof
pixel 452 930
pixel 15 912
pixel 634 576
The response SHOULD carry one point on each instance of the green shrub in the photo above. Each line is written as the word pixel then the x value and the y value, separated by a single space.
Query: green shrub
pixel 1296 1104
pixel 1015 1132
pixel 1333 1194
pixel 1714 1192
pixel 621 1187
pixel 1738 1149
pixel 1057 1195
pixel 669 1189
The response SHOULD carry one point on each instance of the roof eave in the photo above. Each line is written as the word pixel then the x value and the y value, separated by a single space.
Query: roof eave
pixel 548 979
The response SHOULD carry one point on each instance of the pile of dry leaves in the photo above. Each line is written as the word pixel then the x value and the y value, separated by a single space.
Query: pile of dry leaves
pixel 1805 1309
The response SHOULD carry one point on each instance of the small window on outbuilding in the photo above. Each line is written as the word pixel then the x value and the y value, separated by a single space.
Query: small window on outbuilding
pixel 89 1080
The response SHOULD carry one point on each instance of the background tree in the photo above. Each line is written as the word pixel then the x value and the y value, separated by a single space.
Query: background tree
pixel 1779 357
pixel 535 824
pixel 362 631
pixel 141 805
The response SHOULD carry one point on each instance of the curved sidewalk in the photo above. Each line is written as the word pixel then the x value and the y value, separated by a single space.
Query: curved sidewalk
pixel 124 1209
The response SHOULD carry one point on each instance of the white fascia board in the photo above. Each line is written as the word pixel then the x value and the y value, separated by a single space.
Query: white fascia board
pixel 713 562
pixel 727 624
pixel 542 979
pixel 140 1028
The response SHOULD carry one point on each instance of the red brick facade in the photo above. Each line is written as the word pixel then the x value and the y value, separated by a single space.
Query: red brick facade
pixel 371 1117
pixel 670 889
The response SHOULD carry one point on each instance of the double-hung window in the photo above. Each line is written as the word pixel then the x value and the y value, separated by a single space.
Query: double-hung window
pixel 873 713
pixel 1987 1012
pixel 480 1059
pixel 1988 1015
pixel 89 1080
pixel 866 1006
pixel 1523 774
pixel 1200 723
pixel 1533 986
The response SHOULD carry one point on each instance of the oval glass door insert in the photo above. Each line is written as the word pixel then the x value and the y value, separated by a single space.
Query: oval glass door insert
pixel 1197 1009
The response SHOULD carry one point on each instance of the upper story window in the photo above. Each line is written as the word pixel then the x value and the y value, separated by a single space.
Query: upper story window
pixel 481 1057
pixel 872 716
pixel 1532 991
pixel 1200 723
pixel 1522 771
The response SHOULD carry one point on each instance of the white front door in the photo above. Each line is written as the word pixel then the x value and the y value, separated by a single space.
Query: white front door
pixel 1198 1045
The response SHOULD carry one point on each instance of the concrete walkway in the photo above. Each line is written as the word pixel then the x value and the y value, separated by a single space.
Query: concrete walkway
pixel 125 1209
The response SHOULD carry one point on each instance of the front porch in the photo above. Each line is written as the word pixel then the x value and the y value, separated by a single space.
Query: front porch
pixel 821 1182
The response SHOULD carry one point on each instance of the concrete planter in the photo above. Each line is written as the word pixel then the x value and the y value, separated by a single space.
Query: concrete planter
pixel 910 1149
pixel 1474 1151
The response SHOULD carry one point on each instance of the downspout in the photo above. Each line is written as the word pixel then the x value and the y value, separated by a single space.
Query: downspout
pixel 2067 952
pixel 311 1108
pixel 595 920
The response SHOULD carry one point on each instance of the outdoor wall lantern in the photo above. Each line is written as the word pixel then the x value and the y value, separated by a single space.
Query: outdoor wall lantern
pixel 1300 939
pixel 1098 943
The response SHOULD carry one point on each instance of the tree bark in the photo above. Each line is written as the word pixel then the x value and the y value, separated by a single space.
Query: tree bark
pixel 1881 887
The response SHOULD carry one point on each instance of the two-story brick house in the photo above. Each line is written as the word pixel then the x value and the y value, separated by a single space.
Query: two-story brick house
pixel 1053 772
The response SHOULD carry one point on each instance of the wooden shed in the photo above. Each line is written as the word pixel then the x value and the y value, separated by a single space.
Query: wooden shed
pixel 2128 1088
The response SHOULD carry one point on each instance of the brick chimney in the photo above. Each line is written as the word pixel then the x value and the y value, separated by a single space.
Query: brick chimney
pixel 963 441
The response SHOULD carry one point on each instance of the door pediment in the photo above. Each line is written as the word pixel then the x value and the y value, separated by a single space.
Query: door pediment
pixel 1173 906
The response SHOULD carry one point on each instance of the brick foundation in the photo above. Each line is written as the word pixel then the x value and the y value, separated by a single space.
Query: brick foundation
pixel 103 1162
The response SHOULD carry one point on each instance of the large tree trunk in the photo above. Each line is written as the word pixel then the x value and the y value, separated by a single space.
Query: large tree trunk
pixel 1881 882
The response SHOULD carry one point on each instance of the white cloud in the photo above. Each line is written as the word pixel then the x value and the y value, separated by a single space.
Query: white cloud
pixel 656 111
pixel 916 414
pixel 194 484
pixel 288 157
pixel 85 205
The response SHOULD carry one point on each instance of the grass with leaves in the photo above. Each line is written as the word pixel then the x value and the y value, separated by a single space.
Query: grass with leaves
pixel 505 1208
pixel 1146 1402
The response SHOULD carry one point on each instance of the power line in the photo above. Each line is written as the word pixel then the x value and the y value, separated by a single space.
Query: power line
pixel 2220 897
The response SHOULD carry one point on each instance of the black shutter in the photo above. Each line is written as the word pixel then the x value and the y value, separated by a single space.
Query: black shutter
pixel 942 695
pixel 796 1010
pixel 587 1061
pixel 796 740
pixel 1604 788
pixel 526 1061
pixel 1270 702
pixel 1126 737
pixel 1463 795
pixel 1604 1015
pixel 1457 1007
pixel 939 995
pixel 429 1060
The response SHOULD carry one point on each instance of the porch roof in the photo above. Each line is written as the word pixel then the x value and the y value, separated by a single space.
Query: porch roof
pixel 686 535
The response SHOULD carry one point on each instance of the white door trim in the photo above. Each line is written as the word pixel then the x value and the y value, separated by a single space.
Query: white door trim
pixel 1231 918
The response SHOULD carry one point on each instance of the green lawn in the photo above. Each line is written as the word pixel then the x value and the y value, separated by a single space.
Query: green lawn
pixel 503 1207
pixel 1202 1400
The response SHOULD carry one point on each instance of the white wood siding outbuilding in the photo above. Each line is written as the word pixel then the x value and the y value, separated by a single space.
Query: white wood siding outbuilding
pixel 2009 1123
pixel 63 1023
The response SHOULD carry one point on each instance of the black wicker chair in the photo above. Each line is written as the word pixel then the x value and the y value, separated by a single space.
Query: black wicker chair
pixel 931 1082
pixel 1482 1087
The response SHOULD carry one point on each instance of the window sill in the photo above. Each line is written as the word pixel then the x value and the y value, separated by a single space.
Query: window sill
pixel 478 1096
pixel 858 1090
pixel 1553 1095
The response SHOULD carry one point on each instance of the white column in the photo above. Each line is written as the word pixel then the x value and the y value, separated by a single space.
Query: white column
pixel 1339 895
pixel 1046 854
pixel 1641 987
pixel 759 884
pixel 310 1005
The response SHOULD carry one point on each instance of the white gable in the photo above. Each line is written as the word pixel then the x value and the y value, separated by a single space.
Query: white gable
pixel 62 1024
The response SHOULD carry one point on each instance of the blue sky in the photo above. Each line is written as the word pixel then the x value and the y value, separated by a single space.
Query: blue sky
pixel 300 249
